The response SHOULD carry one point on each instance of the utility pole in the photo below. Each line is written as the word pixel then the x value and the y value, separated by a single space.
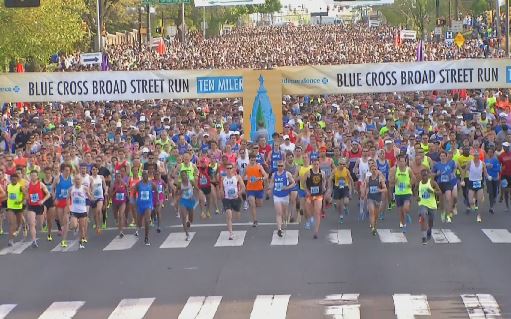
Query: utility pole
pixel 456 17
pixel 450 13
pixel 149 36
pixel 204 22
pixel 497 21
pixel 437 9
pixel 140 28
pixel 183 22
pixel 98 21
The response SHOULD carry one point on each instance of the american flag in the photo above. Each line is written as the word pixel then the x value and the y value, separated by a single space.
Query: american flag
pixel 419 51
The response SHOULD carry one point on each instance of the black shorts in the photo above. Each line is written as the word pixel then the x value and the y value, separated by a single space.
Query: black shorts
pixel 4 204
pixel 475 185
pixel 49 203
pixel 15 210
pixel 38 210
pixel 206 190
pixel 232 204
pixel 444 187
pixel 79 215
pixel 95 202
pixel 340 193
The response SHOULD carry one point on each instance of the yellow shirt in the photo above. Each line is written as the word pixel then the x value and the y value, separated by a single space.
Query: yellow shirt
pixel 341 177
pixel 301 173
pixel 462 161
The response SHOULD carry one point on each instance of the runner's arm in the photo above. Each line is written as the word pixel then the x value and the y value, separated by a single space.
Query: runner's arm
pixel 45 191
pixel 291 180
pixel 241 184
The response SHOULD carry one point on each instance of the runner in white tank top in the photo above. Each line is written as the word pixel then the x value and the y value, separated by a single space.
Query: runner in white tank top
pixel 476 171
pixel 78 196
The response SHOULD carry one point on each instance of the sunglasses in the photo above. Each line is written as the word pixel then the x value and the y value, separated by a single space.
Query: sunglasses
pixel 280 165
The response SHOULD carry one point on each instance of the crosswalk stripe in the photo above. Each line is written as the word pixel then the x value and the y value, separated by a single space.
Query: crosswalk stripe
pixel 444 236
pixel 390 236
pixel 223 239
pixel 340 237
pixel 5 309
pixel 342 306
pixel 498 236
pixel 72 245
pixel 481 306
pixel 270 306
pixel 289 238
pixel 122 243
pixel 408 306
pixel 16 249
pixel 62 310
pixel 132 308
pixel 177 240
pixel 200 307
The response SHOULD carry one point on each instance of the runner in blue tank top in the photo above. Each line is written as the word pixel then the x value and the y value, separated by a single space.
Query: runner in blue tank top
pixel 144 198
pixel 444 172
pixel 281 183
pixel 383 166
pixel 62 184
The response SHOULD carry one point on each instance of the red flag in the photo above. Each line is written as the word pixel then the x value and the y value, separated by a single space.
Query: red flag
pixel 161 47
pixel 20 68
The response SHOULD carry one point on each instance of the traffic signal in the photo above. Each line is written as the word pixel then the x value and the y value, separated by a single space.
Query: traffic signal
pixel 22 3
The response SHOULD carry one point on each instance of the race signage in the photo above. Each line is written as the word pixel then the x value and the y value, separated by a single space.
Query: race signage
pixel 91 58
pixel 408 35
pixel 299 80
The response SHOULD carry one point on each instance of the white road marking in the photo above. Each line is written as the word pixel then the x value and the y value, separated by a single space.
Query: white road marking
pixel 270 306
pixel 289 238
pixel 340 237
pixel 16 249
pixel 389 236
pixel 223 225
pixel 5 309
pixel 131 308
pixel 122 243
pixel 177 240
pixel 72 245
pixel 498 236
pixel 200 307
pixel 408 306
pixel 62 310
pixel 444 236
pixel 342 306
pixel 481 306
pixel 223 239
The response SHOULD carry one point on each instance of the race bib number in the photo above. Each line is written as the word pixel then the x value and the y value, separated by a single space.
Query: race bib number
pixel 373 189
pixel 253 179
pixel 144 195
pixel 78 201
pixel 63 193
pixel 13 196
pixel 98 193
pixel 34 198
pixel 203 180
pixel 401 187
pixel 231 192
pixel 160 188
pixel 425 195
pixel 187 193
pixel 119 196
pixel 476 184
pixel 315 190
pixel 504 183
pixel 279 186
pixel 444 178
pixel 342 183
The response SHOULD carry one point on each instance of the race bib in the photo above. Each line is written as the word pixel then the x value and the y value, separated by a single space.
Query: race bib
pixel 160 188
pixel 119 196
pixel 63 193
pixel 34 198
pixel 13 196
pixel 253 179
pixel 187 193
pixel 78 201
pixel 425 195
pixel 401 186
pixel 98 193
pixel 476 184
pixel 373 189
pixel 203 180
pixel 342 183
pixel 444 178
pixel 504 183
pixel 279 186
pixel 315 190
pixel 144 195
pixel 231 192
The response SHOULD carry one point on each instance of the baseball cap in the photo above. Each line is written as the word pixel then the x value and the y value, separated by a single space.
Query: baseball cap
pixel 285 137
pixel 506 144
pixel 145 150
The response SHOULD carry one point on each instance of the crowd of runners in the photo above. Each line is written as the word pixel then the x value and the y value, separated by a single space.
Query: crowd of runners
pixel 141 163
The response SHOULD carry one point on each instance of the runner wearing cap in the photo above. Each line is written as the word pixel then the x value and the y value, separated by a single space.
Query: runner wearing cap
pixel 402 180
pixel 342 188
pixel 281 182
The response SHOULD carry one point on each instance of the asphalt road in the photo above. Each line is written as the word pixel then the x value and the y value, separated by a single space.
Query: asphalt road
pixel 464 275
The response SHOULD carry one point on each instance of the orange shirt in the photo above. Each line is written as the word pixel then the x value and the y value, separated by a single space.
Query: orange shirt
pixel 254 178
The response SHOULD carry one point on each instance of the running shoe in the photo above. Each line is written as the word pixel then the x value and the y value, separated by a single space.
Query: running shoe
pixel 133 224
pixel 401 225
pixel 136 233
pixel 82 246
pixel 146 241
pixel 255 223
pixel 203 215
pixel 449 218
pixel 492 211
pixel 188 224
pixel 187 238
pixel 10 243
pixel 231 236
pixel 405 228
pixel 104 225
pixel 25 231
pixel 346 211
pixel 217 211
pixel 428 234
pixel 208 214
pixel 424 241
pixel 63 244
pixel 443 217
pixel 455 211
pixel 279 232
pixel 84 240
pixel 479 218
pixel 315 236
pixel 121 235
pixel 49 237
pixel 245 205
pixel 341 219
pixel 45 229
pixel 373 231
pixel 35 244
pixel 158 230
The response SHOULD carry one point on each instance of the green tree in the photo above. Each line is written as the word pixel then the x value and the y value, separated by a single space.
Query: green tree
pixel 38 33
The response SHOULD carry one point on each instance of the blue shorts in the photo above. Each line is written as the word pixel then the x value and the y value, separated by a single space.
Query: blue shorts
pixel 187 203
pixel 142 208
pixel 301 193
pixel 256 194
pixel 401 199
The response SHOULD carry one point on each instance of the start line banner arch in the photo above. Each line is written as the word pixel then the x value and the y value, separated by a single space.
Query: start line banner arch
pixel 301 80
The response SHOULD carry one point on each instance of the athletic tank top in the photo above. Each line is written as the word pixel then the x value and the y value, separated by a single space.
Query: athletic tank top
pixel 363 168
pixel 391 157
pixel 276 156
pixel 145 193
pixel 280 183
pixel 160 194
pixel 78 199
pixel 254 178
pixel 475 173
pixel 120 193
pixel 97 187
pixel 403 182
pixel 62 188
pixel 203 178
pixel 49 185
pixel 384 168
pixel 326 167
pixel 230 185
pixel 188 169
pixel 187 190
pixel 14 196
pixel 85 180
pixel 315 183
pixel 35 194
pixel 341 178
pixel 242 164
pixel 427 195
pixel 373 184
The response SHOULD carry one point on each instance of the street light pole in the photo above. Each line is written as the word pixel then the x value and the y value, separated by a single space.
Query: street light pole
pixel 98 15
pixel 148 7
pixel 497 24
pixel 183 22
pixel 140 28
pixel 204 22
